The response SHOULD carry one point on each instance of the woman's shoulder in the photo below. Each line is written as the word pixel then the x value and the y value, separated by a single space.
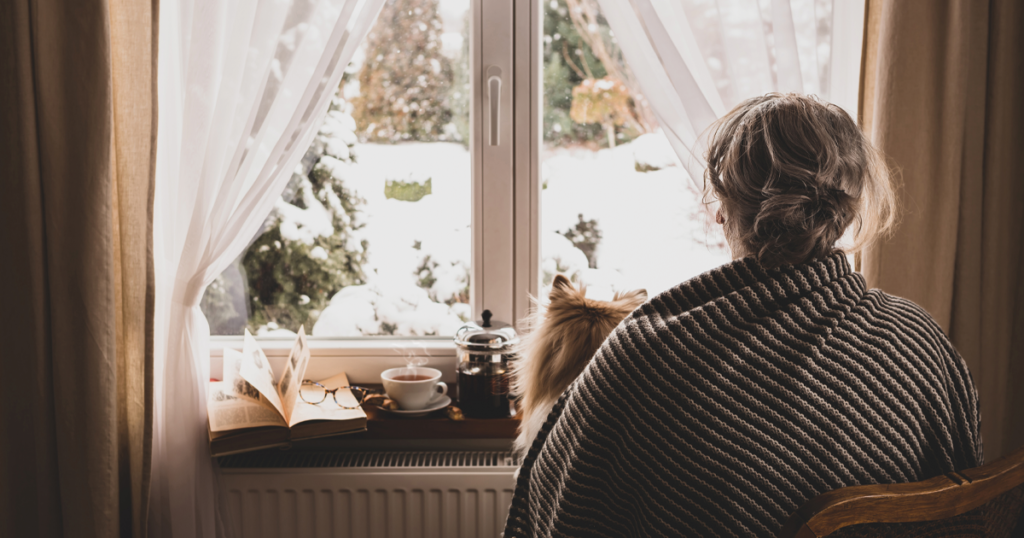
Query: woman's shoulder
pixel 911 334
pixel 882 307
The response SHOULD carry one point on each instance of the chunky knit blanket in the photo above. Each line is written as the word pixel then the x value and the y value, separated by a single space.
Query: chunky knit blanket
pixel 721 405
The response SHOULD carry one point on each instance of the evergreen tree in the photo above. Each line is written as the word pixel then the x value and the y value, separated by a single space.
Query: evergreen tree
pixel 569 62
pixel 310 247
pixel 405 82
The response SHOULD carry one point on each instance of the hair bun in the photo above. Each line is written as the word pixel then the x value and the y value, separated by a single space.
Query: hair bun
pixel 793 174
pixel 799 223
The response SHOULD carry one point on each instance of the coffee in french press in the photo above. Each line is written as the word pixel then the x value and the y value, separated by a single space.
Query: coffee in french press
pixel 485 349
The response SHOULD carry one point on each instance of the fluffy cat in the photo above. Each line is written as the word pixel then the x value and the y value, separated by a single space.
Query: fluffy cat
pixel 562 338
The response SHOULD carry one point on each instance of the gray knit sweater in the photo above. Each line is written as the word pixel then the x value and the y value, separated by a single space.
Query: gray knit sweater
pixel 723 404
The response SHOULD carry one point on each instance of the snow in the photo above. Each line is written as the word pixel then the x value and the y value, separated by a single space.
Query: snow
pixel 273 331
pixel 439 223
pixel 304 225
pixel 652 224
pixel 318 253
pixel 451 44
pixel 654 151
pixel 405 307
pixel 558 254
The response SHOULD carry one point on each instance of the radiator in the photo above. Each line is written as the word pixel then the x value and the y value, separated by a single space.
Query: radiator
pixel 367 494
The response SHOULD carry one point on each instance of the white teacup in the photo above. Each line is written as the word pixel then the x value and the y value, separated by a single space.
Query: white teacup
pixel 413 388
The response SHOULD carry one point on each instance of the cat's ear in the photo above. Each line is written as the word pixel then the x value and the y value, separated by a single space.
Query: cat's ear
pixel 560 284
pixel 635 297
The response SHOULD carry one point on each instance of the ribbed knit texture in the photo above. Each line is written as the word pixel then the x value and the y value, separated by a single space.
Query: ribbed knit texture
pixel 721 405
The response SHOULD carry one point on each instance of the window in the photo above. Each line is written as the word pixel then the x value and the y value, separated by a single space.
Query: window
pixel 372 236
pixel 473 149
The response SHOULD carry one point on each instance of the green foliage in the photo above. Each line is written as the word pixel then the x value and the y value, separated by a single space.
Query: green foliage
pixel 563 43
pixel 405 82
pixel 569 63
pixel 558 126
pixel 406 191
pixel 645 167
pixel 604 101
pixel 585 236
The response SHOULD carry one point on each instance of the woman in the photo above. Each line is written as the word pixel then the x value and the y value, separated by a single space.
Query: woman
pixel 721 405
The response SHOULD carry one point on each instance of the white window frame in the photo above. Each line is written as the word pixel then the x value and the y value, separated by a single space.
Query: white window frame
pixel 506 208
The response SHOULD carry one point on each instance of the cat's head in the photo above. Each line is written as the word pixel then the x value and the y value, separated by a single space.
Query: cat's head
pixel 569 304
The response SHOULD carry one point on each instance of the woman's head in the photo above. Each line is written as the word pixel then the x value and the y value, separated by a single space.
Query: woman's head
pixel 792 174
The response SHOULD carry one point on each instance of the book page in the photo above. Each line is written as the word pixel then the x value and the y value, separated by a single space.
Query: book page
pixel 328 410
pixel 256 370
pixel 292 377
pixel 230 412
pixel 234 383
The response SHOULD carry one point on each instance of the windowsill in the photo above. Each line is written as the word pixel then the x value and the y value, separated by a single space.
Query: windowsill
pixel 363 360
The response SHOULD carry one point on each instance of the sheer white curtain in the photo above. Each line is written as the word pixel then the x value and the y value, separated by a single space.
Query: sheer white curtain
pixel 696 59
pixel 243 87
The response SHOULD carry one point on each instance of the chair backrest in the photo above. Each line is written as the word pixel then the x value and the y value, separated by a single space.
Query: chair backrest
pixel 990 496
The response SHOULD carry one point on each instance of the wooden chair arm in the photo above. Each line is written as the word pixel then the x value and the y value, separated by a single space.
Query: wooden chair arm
pixel 940 497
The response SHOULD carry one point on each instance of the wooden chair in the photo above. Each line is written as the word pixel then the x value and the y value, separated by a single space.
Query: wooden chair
pixel 983 501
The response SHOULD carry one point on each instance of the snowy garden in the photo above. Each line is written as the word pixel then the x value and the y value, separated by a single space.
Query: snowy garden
pixel 373 234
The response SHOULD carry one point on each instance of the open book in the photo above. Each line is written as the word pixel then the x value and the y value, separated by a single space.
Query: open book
pixel 250 409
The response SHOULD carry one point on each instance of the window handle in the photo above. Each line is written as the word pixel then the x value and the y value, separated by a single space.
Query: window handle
pixel 494 100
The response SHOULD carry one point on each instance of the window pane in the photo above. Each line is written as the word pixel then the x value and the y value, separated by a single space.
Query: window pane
pixel 372 235
pixel 618 211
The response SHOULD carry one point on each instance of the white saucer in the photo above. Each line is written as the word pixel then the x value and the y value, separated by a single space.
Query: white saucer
pixel 440 403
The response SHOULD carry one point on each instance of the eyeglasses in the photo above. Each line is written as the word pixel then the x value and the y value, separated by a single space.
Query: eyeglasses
pixel 314 393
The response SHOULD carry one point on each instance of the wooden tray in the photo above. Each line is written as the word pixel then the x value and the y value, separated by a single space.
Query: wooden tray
pixel 436 425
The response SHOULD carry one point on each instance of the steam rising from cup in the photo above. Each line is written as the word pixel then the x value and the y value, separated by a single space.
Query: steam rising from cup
pixel 414 351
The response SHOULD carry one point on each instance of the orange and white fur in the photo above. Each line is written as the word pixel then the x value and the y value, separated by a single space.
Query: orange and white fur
pixel 563 336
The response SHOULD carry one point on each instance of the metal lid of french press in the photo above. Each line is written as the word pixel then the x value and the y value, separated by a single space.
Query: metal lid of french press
pixel 486 335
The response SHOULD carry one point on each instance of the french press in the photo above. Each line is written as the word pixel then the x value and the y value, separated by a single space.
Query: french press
pixel 485 349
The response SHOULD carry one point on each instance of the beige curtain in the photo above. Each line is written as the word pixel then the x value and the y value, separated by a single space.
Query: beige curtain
pixel 133 52
pixel 77 129
pixel 942 97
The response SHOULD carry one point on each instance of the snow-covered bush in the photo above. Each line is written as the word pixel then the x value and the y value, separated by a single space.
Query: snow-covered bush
pixel 652 151
pixel 445 278
pixel 386 308
pixel 559 255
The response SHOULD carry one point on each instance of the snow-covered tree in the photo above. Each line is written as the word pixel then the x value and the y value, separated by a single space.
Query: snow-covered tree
pixel 405 82
pixel 310 247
